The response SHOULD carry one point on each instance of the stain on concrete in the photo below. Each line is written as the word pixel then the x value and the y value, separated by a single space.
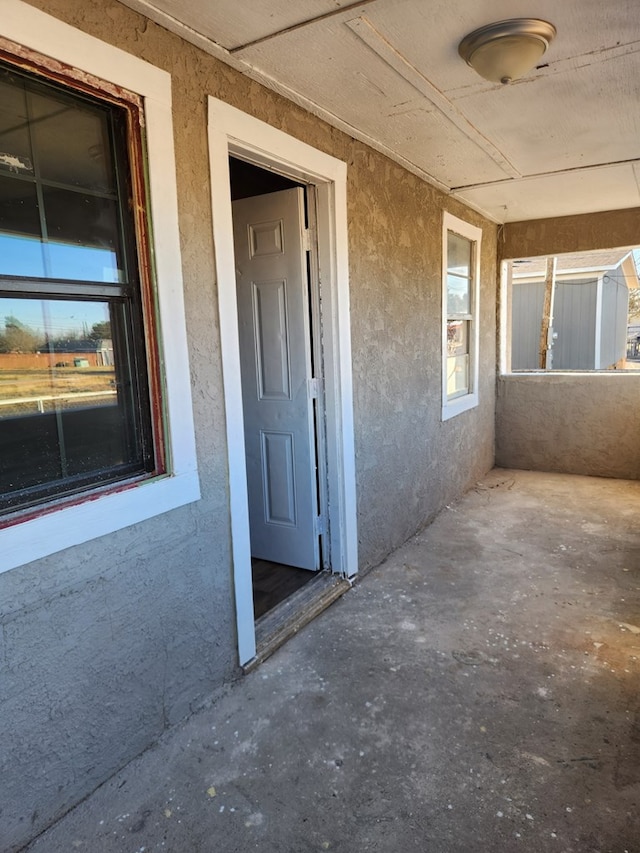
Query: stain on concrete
pixel 508 720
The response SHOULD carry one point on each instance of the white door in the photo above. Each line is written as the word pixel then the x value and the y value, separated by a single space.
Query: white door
pixel 277 392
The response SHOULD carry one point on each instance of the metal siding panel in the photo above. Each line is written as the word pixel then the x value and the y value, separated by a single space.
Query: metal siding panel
pixel 528 298
pixel 574 322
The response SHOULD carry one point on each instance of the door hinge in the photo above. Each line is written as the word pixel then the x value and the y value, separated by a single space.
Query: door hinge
pixel 314 388
pixel 308 239
pixel 321 525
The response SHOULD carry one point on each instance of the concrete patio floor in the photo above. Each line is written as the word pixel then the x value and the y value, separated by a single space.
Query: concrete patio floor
pixel 478 691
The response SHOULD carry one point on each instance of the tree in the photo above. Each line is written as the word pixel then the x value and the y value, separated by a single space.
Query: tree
pixel 101 331
pixel 634 305
pixel 17 337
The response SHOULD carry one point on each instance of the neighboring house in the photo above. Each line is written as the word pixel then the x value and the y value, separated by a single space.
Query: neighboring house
pixel 299 278
pixel 590 311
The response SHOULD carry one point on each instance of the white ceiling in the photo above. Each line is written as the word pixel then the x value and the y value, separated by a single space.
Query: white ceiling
pixel 565 139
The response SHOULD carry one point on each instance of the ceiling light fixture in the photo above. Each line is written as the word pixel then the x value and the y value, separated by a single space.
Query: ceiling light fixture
pixel 507 50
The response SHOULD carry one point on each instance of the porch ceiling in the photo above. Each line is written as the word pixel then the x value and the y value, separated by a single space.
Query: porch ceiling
pixel 565 139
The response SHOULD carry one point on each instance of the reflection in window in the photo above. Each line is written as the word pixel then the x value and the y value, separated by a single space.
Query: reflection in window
pixel 59 210
pixel 459 281
pixel 74 397
pixel 65 404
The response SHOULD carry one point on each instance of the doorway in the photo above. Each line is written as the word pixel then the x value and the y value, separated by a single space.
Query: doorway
pixel 234 134
pixel 281 375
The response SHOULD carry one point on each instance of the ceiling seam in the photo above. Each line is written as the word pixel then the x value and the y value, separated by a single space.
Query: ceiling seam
pixel 385 51
pixel 212 48
pixel 636 175
pixel 596 167
pixel 291 29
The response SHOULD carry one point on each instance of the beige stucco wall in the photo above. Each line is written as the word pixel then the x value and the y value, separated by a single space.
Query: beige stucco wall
pixel 573 423
pixel 569 423
pixel 108 643
pixel 606 230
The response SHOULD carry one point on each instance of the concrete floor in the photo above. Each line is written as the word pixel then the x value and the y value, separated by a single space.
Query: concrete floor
pixel 479 691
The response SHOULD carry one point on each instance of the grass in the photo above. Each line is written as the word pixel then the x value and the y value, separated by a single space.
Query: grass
pixel 57 382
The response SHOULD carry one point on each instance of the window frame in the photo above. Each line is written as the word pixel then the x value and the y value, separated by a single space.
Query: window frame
pixel 125 120
pixel 462 403
pixel 57 524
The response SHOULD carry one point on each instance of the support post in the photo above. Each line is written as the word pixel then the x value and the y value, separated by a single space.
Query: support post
pixel 547 315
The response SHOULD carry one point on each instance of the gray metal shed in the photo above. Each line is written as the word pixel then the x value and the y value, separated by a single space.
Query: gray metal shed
pixel 591 303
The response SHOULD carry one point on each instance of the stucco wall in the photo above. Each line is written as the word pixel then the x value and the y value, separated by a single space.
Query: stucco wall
pixel 569 423
pixel 105 644
pixel 606 230
pixel 404 452
pixel 573 423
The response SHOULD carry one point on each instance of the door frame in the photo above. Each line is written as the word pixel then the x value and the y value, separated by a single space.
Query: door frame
pixel 232 132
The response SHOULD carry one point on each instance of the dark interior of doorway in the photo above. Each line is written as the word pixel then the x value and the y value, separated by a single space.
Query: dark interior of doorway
pixel 273 583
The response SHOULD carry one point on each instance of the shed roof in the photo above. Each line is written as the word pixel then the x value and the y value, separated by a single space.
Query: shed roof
pixel 597 261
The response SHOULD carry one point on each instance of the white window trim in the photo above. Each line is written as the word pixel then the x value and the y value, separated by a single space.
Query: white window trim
pixel 232 131
pixel 101 514
pixel 451 408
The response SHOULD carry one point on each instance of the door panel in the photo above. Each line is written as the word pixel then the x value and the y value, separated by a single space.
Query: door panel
pixel 275 359
pixel 272 340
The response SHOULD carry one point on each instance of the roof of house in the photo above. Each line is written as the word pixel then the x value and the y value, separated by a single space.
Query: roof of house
pixel 596 261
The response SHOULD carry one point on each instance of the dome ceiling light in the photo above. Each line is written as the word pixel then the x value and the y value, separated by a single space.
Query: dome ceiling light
pixel 507 50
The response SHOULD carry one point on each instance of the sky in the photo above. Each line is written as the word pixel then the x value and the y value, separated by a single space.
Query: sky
pixel 25 256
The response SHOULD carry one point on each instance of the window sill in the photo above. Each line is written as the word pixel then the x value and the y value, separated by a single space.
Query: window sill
pixel 78 523
pixel 458 406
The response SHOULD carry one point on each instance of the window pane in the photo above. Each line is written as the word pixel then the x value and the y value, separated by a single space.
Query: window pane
pixel 15 145
pixel 20 244
pixel 63 146
pixel 458 255
pixel 458 301
pixel 83 236
pixel 71 142
pixel 65 392
pixel 457 376
pixel 457 337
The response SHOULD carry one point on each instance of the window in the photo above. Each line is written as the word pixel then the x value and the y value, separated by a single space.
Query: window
pixel 84 269
pixel 74 398
pixel 572 312
pixel 460 269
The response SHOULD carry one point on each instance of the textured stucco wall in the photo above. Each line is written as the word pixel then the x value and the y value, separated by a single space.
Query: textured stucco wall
pixel 573 423
pixel 606 230
pixel 409 463
pixel 569 423
pixel 104 645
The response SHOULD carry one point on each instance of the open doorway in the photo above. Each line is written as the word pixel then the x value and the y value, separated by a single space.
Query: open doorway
pixel 281 375
pixel 235 134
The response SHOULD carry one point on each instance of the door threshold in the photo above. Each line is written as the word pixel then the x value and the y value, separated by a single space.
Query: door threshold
pixel 287 618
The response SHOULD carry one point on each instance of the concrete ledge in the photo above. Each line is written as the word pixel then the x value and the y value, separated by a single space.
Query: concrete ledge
pixel 570 423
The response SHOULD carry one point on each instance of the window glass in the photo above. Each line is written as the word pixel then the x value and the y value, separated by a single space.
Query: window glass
pixel 15 140
pixel 65 395
pixel 457 376
pixel 83 240
pixel 74 398
pixel 461 245
pixel 72 142
pixel 458 301
pixel 59 210
pixel 21 251
pixel 458 255
pixel 457 336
